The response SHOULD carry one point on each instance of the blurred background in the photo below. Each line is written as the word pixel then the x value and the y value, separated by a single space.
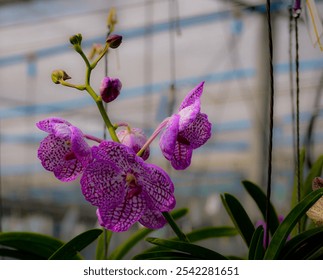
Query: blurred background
pixel 169 46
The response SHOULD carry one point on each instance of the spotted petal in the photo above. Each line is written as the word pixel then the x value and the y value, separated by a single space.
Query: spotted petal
pixel 198 132
pixel 168 138
pixel 51 151
pixel 123 216
pixel 103 184
pixel 153 219
pixel 192 96
pixel 124 157
pixel 68 170
pixel 159 188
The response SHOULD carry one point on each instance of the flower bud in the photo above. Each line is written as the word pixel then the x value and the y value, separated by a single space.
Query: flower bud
pixel 114 41
pixel 76 39
pixel 135 139
pixel 110 89
pixel 59 75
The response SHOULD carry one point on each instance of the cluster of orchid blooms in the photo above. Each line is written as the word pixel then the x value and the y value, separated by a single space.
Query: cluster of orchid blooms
pixel 115 176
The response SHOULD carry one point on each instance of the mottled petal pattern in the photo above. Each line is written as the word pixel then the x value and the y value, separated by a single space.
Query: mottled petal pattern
pixel 159 188
pixel 153 219
pixel 182 156
pixel 123 216
pixel 68 170
pixel 198 132
pixel 102 183
pixel 52 150
pixel 64 151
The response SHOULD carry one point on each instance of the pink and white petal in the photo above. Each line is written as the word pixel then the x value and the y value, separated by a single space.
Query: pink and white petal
pixel 62 130
pixel 153 219
pixel 102 183
pixel 168 138
pixel 52 151
pixel 123 216
pixel 68 170
pixel 48 124
pixel 158 187
pixel 192 96
pixel 182 156
pixel 198 132
pixel 189 114
pixel 80 147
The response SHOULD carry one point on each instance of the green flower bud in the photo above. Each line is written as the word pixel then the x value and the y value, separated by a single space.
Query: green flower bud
pixel 76 39
pixel 59 75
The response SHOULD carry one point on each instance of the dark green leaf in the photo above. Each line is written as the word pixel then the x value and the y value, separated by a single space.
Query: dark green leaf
pixel 261 200
pixel 125 247
pixel 39 245
pixel 284 229
pixel 304 245
pixel 239 217
pixel 163 255
pixel 19 255
pixel 256 249
pixel 195 251
pixel 78 243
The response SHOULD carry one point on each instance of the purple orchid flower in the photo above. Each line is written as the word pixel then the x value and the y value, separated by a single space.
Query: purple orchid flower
pixel 185 131
pixel 64 151
pixel 126 189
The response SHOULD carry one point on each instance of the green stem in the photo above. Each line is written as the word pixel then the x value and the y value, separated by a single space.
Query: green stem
pixel 181 235
pixel 103 113
pixel 102 54
pixel 67 84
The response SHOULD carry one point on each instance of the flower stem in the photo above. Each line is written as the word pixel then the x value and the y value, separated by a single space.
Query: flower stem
pixel 181 235
pixel 153 136
pixel 93 138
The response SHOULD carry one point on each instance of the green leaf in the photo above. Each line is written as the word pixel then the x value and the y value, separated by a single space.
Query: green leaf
pixel 239 217
pixel 256 249
pixel 195 251
pixel 102 246
pixel 78 243
pixel 287 225
pixel 125 247
pixel 39 245
pixel 261 200
pixel 304 245
pixel 163 255
pixel 203 233
pixel 19 255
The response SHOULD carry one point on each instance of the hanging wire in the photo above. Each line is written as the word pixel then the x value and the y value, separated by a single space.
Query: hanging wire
pixel 296 14
pixel 271 122
pixel 291 82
